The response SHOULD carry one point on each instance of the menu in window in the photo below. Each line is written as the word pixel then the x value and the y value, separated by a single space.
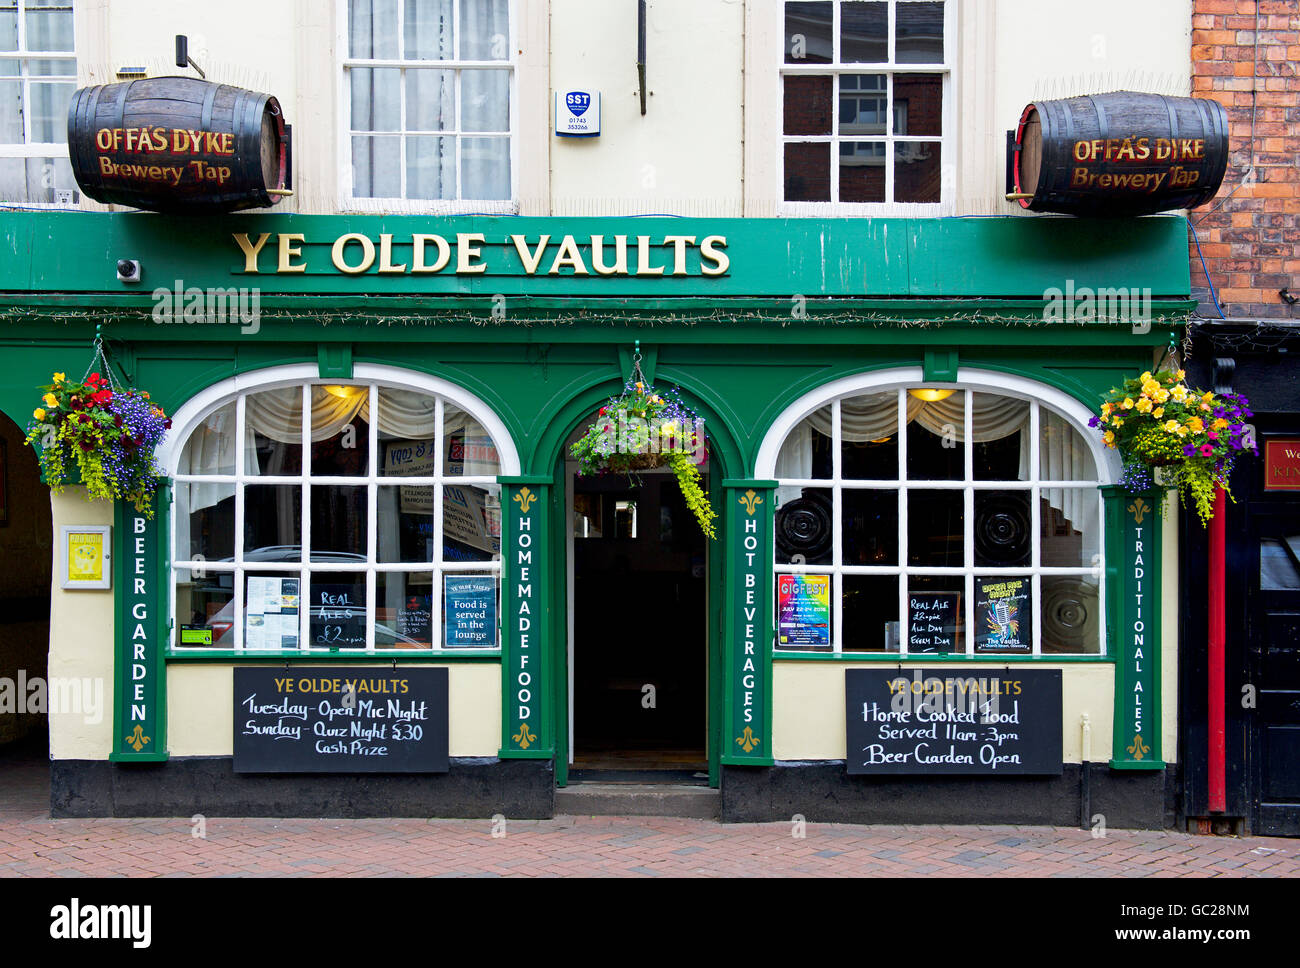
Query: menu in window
pixel 271 613
pixel 1004 615
pixel 932 622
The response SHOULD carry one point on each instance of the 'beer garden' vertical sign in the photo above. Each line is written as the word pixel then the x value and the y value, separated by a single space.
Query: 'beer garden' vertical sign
pixel 1133 522
pixel 749 522
pixel 139 689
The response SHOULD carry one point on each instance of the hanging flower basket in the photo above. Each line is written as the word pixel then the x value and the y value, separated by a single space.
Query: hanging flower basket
pixel 1176 437
pixel 106 432
pixel 643 429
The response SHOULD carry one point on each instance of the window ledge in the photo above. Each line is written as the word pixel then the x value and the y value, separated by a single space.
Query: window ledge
pixel 409 655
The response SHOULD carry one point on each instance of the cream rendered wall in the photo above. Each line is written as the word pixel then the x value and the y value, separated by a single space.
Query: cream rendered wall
pixel 201 704
pixel 81 639
pixel 684 157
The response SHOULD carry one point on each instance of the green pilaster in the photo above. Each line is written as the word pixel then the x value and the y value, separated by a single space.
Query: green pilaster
pixel 1133 624
pixel 139 674
pixel 748 518
pixel 527 713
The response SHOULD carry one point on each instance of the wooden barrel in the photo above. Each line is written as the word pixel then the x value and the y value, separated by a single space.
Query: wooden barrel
pixel 177 144
pixel 1123 153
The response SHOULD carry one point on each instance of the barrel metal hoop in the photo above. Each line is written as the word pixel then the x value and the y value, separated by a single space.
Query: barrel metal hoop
pixel 205 118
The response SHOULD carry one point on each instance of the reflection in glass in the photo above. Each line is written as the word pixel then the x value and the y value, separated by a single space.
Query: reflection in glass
pixel 1070 619
pixel 870 613
pixel 935 529
pixel 864 32
pixel 204 609
pixel 403 610
pixel 918 33
pixel 273 522
pixel 807 172
pixel 338 523
pixel 470 450
pixel 808 33
pixel 870 524
pixel 471 522
pixel 1070 529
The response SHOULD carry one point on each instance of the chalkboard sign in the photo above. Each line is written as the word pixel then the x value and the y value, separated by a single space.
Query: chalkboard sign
pixel 352 720
pixel 957 721
pixel 1004 615
pixel 932 621
pixel 338 616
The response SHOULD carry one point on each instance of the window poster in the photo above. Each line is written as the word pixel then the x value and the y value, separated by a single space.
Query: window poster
pixel 803 611
pixel 933 620
pixel 471 611
pixel 415 620
pixel 338 615
pixel 271 609
pixel 1004 615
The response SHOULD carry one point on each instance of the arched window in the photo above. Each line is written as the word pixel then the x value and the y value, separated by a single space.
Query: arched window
pixel 936 519
pixel 315 516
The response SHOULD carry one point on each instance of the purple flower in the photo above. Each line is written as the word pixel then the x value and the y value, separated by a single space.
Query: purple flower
pixel 1188 450
pixel 1094 422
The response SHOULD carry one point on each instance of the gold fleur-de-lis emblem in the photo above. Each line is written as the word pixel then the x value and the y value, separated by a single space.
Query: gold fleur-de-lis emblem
pixel 1139 508
pixel 747 740
pixel 137 739
pixel 525 497
pixel 750 500
pixel 525 737
pixel 1138 749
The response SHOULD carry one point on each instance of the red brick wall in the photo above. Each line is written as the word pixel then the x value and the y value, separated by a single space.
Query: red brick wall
pixel 1251 241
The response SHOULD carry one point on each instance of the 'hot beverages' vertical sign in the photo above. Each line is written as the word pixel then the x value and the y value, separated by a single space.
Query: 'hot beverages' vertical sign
pixel 1136 638
pixel 525 721
pixel 749 637
pixel 138 676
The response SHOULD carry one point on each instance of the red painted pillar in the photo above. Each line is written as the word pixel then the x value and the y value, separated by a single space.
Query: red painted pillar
pixel 1217 745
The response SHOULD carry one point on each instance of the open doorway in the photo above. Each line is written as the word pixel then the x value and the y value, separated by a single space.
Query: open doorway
pixel 639 639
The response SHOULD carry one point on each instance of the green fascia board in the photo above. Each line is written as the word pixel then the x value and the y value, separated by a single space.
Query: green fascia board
pixel 1012 256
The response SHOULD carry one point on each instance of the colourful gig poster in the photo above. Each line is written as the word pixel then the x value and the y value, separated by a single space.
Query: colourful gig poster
pixel 803 608
pixel 1004 615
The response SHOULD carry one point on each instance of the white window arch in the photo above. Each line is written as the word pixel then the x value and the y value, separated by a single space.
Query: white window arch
pixel 355 516
pixel 937 518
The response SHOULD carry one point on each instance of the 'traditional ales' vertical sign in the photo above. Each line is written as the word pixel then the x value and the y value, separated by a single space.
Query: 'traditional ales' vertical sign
pixel 747 739
pixel 1137 642
pixel 138 710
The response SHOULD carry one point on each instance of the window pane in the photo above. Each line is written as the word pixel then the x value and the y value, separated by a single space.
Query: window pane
pixel 471 522
pixel 870 613
pixel 808 172
pixel 272 610
pixel 1277 564
pixel 916 171
pixel 430 168
pixel 919 28
pixel 1004 530
pixel 405 523
pixel 205 608
pixel 376 98
pixel 936 614
pixel 1063 454
pixel 869 437
pixel 935 529
pixel 273 522
pixel 338 611
pixel 1070 615
pixel 210 448
pixel 377 167
pixel 804 532
pixel 340 437
pixel 471 451
pixel 485 100
pixel 404 610
pixel 1070 531
pixel 870 523
pixel 935 435
pixel 918 104
pixel 862 171
pixel 9 26
pixel 11 112
pixel 806 453
pixel 484 30
pixel 486 168
pixel 35 179
pixel 49 28
pixel 427 25
pixel 430 100
pixel 808 105
pixel 407 433
pixel 808 28
pixel 338 523
pixel 863 104
pixel 864 33
pixel 1001 431
pixel 50 66
pixel 205 522
pixel 372 29
pixel 273 431
pixel 469 611
pixel 1004 614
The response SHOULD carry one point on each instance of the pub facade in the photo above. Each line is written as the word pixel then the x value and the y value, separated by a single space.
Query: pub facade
pixel 373 581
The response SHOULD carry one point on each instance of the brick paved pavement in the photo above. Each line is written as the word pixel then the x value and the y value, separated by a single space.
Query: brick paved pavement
pixel 32 844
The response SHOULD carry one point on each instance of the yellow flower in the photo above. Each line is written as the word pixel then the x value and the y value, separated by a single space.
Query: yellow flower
pixel 1144 405
pixel 1179 393
pixel 50 400
pixel 1206 407
pixel 1181 431
pixel 1161 395
pixel 1116 422
pixel 1158 412
pixel 1219 424
pixel 1106 408
pixel 38 413
pixel 59 377
pixel 1180 375
pixel 1171 426
pixel 1145 376
pixel 1109 438
pixel 1149 388
pixel 1128 403
pixel 1196 425
pixel 1207 397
